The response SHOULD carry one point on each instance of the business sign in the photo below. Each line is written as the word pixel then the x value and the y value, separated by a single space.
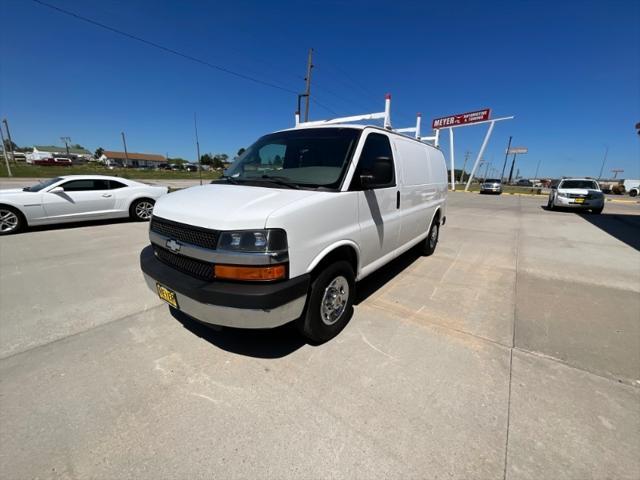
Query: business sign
pixel 518 150
pixel 461 119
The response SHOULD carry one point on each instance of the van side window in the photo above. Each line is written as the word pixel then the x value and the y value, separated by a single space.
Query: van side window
pixel 376 147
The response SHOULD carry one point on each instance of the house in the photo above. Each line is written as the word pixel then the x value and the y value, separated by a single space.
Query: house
pixel 131 159
pixel 77 155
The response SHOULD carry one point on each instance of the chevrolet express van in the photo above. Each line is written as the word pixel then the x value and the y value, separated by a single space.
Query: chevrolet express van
pixel 296 221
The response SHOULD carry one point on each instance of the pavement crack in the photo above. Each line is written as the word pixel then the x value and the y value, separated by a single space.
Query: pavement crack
pixel 95 327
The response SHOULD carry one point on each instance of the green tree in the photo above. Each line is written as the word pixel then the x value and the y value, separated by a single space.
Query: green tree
pixel 206 159
pixel 219 160
pixel 98 153
pixel 77 145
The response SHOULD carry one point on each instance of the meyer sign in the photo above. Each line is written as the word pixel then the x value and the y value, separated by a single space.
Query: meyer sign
pixel 518 150
pixel 461 119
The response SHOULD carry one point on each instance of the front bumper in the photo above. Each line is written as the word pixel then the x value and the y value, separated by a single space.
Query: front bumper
pixel 571 203
pixel 230 304
pixel 491 189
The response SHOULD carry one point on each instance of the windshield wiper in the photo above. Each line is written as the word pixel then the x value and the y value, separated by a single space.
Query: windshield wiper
pixel 229 179
pixel 280 181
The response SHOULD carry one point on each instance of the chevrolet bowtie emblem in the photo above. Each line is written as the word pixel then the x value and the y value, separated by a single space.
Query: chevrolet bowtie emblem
pixel 173 245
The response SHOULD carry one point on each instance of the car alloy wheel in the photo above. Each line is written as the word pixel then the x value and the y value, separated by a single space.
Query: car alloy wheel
pixel 144 210
pixel 9 221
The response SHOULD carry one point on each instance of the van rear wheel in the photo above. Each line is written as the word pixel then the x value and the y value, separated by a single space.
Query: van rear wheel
pixel 330 303
pixel 429 244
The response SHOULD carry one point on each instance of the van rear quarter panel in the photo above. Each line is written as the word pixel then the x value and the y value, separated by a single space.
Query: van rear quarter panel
pixel 423 186
pixel 315 225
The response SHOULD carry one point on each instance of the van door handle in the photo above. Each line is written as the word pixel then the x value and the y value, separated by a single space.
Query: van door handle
pixel 398 199
pixel 106 195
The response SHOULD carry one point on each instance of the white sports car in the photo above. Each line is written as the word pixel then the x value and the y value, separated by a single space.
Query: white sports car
pixel 75 198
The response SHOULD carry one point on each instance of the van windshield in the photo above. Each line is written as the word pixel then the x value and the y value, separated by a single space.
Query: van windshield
pixel 307 158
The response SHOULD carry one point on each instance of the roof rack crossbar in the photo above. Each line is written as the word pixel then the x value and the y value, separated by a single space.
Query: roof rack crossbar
pixel 386 116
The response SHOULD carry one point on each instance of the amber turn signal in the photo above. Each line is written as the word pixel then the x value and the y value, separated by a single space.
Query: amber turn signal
pixel 251 274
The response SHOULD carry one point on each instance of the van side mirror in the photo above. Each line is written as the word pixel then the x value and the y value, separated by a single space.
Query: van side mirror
pixel 380 175
pixel 57 190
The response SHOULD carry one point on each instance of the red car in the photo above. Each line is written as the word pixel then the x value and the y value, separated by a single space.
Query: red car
pixel 57 162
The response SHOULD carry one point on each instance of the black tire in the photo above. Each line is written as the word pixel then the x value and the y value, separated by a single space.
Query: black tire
pixel 140 211
pixel 429 244
pixel 313 324
pixel 11 220
pixel 597 211
pixel 550 205
pixel 633 193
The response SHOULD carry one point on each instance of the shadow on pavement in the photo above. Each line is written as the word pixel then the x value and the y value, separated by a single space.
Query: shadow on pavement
pixel 378 279
pixel 625 228
pixel 281 341
pixel 70 225
pixel 268 343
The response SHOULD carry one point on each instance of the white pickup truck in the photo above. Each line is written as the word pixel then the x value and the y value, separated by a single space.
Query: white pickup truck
pixel 296 221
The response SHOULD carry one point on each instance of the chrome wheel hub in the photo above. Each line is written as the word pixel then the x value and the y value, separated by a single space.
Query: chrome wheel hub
pixel 8 221
pixel 334 300
pixel 144 210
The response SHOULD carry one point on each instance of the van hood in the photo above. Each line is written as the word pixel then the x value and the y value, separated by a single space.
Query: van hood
pixel 226 207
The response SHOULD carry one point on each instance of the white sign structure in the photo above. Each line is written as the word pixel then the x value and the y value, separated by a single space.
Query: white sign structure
pixel 517 150
pixel 451 126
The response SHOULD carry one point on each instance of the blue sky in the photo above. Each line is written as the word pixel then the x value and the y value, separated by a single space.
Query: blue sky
pixel 569 71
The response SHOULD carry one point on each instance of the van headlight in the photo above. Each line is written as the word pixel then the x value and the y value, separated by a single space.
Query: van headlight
pixel 253 241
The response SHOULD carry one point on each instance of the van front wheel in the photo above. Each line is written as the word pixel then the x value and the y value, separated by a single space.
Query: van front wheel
pixel 330 303
pixel 429 244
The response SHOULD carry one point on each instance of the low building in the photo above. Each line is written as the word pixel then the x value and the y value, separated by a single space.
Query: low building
pixel 76 155
pixel 131 159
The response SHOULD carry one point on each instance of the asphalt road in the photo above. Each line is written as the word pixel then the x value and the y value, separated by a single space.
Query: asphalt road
pixel 513 352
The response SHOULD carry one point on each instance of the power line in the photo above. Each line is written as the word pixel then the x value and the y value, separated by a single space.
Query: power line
pixel 163 48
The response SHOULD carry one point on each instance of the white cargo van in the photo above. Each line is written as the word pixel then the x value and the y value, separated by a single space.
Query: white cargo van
pixel 294 224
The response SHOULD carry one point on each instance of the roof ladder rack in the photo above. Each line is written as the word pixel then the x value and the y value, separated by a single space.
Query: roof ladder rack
pixel 386 116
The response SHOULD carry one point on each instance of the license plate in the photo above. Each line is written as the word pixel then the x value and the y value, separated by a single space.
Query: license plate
pixel 579 200
pixel 167 295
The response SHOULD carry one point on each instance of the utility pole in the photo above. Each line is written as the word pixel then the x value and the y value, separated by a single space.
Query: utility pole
pixel 124 142
pixel 4 153
pixel 506 155
pixel 66 141
pixel 537 168
pixel 606 152
pixel 513 162
pixel 195 124
pixel 486 170
pixel 307 91
pixel 464 165
pixel 6 126
pixel 616 171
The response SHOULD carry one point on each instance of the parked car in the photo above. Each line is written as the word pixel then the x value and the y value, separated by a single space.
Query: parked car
pixel 273 242
pixel 491 185
pixel 523 182
pixel 577 193
pixel 190 167
pixel 53 162
pixel 74 198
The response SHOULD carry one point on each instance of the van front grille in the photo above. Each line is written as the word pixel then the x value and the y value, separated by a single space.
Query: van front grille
pixel 202 237
pixel 190 266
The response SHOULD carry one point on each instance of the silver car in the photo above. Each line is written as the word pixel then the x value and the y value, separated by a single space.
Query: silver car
pixel 491 185
pixel 577 193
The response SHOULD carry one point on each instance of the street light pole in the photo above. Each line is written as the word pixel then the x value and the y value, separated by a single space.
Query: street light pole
pixel 124 143
pixel 6 126
pixel 606 152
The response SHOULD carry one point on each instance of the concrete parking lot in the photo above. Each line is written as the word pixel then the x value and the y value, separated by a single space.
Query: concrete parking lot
pixel 513 352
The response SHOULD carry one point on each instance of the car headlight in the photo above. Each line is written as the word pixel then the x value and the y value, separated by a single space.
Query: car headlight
pixel 253 241
pixel 563 195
